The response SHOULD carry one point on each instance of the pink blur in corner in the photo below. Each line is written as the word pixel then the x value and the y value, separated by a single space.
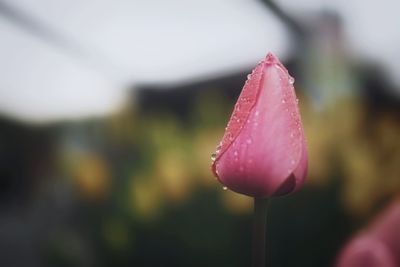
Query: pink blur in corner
pixel 378 245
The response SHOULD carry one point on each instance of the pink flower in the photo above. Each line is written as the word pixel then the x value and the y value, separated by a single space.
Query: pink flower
pixel 377 246
pixel 263 151
pixel 366 251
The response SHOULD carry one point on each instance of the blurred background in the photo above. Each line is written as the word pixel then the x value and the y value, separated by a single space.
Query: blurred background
pixel 110 110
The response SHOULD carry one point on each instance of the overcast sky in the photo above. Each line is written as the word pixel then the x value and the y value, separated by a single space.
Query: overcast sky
pixel 115 44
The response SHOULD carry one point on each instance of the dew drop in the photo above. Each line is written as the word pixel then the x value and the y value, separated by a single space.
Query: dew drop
pixel 283 101
pixel 218 148
pixel 224 188
pixel 291 80
pixel 213 156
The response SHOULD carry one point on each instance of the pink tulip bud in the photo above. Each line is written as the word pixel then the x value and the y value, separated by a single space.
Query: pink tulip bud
pixel 379 245
pixel 263 151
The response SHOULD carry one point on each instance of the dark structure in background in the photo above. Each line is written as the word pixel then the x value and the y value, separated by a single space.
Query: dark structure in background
pixel 25 159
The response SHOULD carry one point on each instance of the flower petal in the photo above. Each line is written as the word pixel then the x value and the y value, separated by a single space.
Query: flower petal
pixel 268 146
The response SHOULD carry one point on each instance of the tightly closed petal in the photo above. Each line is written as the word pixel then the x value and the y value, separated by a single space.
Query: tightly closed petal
pixel 263 151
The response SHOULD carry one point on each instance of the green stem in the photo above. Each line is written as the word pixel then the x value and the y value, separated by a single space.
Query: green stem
pixel 259 232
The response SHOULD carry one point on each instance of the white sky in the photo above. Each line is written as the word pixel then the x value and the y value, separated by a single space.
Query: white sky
pixel 130 42
pixel 157 41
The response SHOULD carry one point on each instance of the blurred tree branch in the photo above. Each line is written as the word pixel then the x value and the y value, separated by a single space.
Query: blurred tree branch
pixel 293 25
pixel 33 26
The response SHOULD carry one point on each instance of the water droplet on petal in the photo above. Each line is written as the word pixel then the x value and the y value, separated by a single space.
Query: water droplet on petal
pixel 224 188
pixel 283 101
pixel 213 156
pixel 291 80
pixel 218 148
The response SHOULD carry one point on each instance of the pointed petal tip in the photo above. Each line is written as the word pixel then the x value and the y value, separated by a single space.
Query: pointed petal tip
pixel 271 59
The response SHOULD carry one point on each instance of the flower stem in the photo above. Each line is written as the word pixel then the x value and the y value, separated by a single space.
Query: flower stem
pixel 259 232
